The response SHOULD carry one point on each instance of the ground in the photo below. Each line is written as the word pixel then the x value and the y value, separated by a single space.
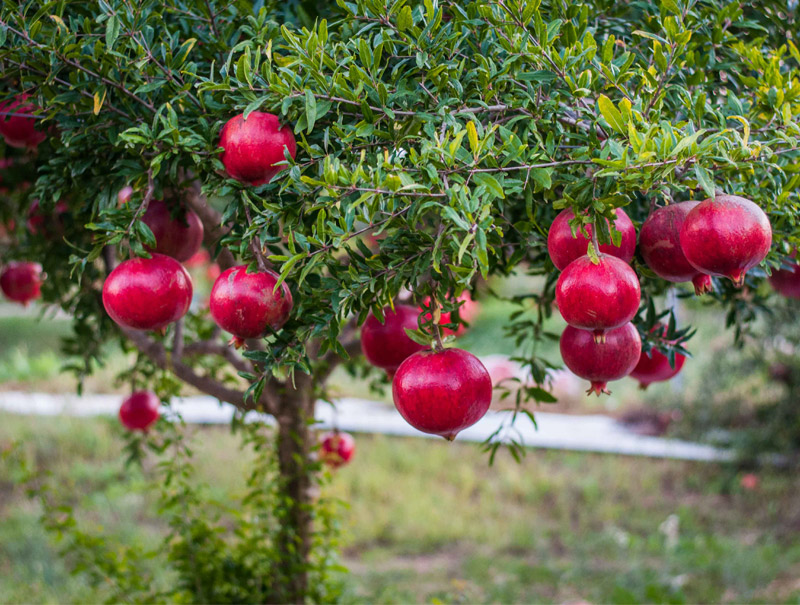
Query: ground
pixel 431 521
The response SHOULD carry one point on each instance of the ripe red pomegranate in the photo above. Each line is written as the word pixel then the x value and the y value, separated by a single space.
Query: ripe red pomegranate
pixel 180 236
pixel 598 297
pixel 147 293
pixel 386 345
pixel 660 245
pixel 252 147
pixel 19 130
pixel 47 223
pixel 654 366
pixel 21 281
pixel 787 281
pixel 140 410
pixel 726 237
pixel 244 304
pixel 336 448
pixel 601 363
pixel 563 248
pixel 442 392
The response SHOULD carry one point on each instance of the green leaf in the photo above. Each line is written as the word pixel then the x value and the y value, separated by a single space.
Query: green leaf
pixel 611 114
pixel 706 180
pixel 405 19
pixel 112 31
pixel 311 110
pixel 286 268
pixel 491 183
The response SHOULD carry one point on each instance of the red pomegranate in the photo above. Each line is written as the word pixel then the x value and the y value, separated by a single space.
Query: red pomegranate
pixel 179 236
pixel 147 293
pixel 660 245
pixel 442 392
pixel 17 124
pixel 140 410
pixel 564 248
pixel 726 237
pixel 386 345
pixel 336 448
pixel 43 222
pixel 598 297
pixel 787 281
pixel 21 281
pixel 245 305
pixel 654 366
pixel 601 363
pixel 254 146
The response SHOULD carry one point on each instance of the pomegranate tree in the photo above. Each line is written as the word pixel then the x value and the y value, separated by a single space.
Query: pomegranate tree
pixel 598 296
pixel 336 448
pixel 386 344
pixel 564 248
pixel 660 245
pixel 600 363
pixel 726 236
pixel 147 293
pixel 178 234
pixel 247 305
pixel 139 411
pixel 21 281
pixel 253 146
pixel 442 392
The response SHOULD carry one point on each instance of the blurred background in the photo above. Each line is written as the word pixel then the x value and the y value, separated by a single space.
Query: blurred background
pixel 430 521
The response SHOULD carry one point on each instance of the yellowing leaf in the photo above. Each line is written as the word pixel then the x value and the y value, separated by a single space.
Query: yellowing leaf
pixel 472 133
pixel 746 125
pixel 98 102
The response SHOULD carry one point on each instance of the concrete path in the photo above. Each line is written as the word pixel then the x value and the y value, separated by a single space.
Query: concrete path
pixel 593 433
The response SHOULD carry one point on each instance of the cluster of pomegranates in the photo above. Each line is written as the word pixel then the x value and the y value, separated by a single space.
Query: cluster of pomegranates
pixel 598 298
pixel 438 391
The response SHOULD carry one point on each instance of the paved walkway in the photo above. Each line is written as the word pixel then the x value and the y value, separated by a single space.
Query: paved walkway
pixel 593 433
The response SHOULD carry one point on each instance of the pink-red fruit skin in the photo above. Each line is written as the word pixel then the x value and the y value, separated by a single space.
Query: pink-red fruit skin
pixel 19 130
pixel 598 297
pixel 21 281
pixel 386 345
pixel 139 411
pixel 336 448
pixel 179 237
pixel 654 367
pixel 563 248
pixel 147 293
pixel 787 281
pixel 600 363
pixel 442 392
pixel 245 305
pixel 660 246
pixel 254 146
pixel 726 237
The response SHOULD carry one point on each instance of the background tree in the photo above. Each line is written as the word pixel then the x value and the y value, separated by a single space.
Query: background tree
pixel 455 131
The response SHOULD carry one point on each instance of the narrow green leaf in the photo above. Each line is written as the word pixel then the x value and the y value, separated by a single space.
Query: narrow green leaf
pixel 611 114
pixel 706 180
pixel 311 110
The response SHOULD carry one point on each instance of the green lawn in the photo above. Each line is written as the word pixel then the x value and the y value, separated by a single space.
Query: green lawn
pixel 429 521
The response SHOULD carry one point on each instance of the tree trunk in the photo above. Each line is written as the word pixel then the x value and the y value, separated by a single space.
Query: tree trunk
pixel 294 447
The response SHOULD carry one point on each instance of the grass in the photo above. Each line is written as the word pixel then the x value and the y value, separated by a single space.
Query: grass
pixel 430 521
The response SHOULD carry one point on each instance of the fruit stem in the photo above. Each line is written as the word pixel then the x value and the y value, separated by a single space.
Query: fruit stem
pixel 436 314
pixel 595 241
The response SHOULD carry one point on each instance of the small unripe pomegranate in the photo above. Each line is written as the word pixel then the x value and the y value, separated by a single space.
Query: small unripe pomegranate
pixel 180 236
pixel 19 130
pixel 563 248
pixel 660 245
pixel 600 363
pixel 442 392
pixel 47 223
pixel 787 281
pixel 386 345
pixel 245 305
pixel 139 411
pixel 726 237
pixel 598 297
pixel 147 293
pixel 254 146
pixel 21 281
pixel 336 448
